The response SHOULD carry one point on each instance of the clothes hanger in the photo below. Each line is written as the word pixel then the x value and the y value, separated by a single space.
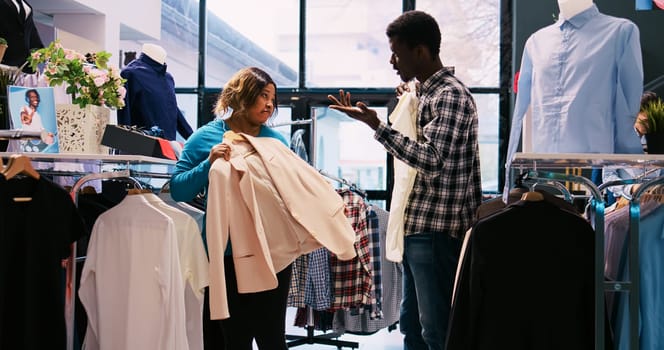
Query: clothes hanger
pixel 19 164
pixel 532 196
pixel 232 136
pixel 133 191
pixel 166 188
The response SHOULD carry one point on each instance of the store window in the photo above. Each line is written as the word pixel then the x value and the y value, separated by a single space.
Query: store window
pixel 346 149
pixel 470 38
pixel 179 37
pixel 253 33
pixel 346 45
pixel 471 44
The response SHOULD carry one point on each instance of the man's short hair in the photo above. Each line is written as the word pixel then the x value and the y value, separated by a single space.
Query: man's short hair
pixel 416 28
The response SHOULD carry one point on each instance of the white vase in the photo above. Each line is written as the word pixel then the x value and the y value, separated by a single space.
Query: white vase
pixel 80 129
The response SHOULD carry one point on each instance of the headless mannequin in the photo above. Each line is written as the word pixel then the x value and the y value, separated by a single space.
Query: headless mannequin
pixel 155 52
pixel 150 99
pixel 570 8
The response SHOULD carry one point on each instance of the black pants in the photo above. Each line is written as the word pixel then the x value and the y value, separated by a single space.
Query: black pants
pixel 213 336
pixel 260 316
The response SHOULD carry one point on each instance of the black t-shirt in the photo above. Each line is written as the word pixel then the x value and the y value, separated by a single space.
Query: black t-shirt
pixel 35 236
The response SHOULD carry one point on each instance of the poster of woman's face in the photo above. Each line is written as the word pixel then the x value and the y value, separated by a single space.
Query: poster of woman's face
pixel 33 109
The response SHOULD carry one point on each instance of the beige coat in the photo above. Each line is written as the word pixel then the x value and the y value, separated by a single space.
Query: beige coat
pixel 274 187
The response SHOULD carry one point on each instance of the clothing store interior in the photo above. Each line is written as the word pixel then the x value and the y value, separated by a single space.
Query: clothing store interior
pixel 312 174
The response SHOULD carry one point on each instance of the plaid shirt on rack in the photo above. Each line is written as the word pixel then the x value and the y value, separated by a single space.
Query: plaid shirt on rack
pixel 447 188
pixel 353 278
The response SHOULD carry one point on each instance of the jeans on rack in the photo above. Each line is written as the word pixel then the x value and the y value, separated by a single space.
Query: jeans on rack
pixel 260 316
pixel 429 266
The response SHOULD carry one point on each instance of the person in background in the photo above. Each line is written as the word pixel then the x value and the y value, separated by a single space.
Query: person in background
pixel 18 28
pixel 447 188
pixel 622 173
pixel 251 96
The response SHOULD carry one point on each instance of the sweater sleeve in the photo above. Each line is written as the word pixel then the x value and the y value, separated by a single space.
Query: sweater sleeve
pixel 190 176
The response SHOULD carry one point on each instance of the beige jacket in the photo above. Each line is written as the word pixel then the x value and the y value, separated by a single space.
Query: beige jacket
pixel 274 207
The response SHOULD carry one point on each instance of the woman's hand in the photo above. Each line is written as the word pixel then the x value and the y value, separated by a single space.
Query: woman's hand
pixel 220 150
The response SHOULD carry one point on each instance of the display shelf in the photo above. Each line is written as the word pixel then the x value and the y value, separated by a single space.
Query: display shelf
pixel 585 160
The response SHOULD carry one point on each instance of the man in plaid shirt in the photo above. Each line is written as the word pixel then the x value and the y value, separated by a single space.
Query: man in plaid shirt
pixel 447 188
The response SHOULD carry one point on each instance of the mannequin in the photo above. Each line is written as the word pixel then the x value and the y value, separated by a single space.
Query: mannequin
pixel 150 99
pixel 582 79
pixel 20 32
pixel 157 52
pixel 570 8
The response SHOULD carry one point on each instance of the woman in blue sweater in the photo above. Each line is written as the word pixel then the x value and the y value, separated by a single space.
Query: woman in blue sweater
pixel 251 97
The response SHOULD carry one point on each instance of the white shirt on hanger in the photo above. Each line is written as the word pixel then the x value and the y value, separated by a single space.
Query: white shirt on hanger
pixel 193 265
pixel 131 284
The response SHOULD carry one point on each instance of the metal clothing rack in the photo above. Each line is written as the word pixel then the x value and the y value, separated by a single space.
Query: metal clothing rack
pixel 110 166
pixel 530 162
pixel 310 338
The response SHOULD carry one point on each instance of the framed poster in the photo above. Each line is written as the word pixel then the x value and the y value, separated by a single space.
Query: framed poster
pixel 33 109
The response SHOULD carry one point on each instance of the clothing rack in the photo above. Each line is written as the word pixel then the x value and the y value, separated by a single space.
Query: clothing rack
pixel 312 133
pixel 310 338
pixel 530 162
pixel 110 167
pixel 351 186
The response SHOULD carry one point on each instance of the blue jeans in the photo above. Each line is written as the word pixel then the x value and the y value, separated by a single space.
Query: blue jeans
pixel 429 266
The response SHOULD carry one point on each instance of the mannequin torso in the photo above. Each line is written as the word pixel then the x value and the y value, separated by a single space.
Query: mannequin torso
pixel 570 8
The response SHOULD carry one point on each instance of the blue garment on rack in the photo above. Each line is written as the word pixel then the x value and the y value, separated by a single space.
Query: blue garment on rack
pixel 318 291
pixel 150 99
pixel 651 270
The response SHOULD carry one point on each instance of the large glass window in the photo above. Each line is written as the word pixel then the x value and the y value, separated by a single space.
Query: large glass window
pixel 179 37
pixel 257 33
pixel 345 148
pixel 487 108
pixel 346 45
pixel 470 38
pixel 471 44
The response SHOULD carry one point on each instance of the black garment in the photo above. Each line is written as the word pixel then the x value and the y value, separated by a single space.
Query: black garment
pixel 213 335
pixel 34 238
pixel 150 99
pixel 526 282
pixel 260 316
pixel 20 32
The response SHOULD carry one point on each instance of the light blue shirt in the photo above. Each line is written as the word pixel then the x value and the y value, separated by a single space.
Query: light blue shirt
pixel 583 79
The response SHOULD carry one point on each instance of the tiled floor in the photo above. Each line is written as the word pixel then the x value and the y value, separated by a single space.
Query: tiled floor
pixel 382 340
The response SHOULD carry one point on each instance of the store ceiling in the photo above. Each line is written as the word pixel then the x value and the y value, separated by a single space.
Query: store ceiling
pixel 51 7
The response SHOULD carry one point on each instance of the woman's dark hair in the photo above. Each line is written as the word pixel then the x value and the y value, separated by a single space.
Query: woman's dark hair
pixel 27 94
pixel 241 91
pixel 416 28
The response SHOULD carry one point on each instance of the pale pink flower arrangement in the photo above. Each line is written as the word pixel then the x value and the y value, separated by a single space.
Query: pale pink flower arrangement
pixel 88 78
